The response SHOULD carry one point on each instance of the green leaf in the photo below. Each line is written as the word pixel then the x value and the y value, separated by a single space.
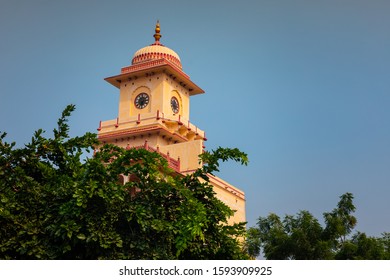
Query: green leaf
pixel 81 236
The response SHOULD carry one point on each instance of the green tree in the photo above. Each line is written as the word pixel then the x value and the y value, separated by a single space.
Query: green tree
pixel 385 240
pixel 252 242
pixel 302 236
pixel 362 247
pixel 340 222
pixel 294 237
pixel 54 205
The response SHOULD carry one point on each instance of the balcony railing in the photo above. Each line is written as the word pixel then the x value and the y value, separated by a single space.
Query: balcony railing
pixel 159 116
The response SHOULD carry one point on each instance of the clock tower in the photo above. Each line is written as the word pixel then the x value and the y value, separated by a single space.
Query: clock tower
pixel 154 113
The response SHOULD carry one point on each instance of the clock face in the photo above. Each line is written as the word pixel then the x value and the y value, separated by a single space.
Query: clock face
pixel 175 105
pixel 142 100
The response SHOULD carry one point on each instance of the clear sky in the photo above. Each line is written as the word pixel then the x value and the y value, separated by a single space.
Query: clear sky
pixel 303 87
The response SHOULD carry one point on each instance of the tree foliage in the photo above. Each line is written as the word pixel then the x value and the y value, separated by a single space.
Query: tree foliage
pixel 302 236
pixel 56 205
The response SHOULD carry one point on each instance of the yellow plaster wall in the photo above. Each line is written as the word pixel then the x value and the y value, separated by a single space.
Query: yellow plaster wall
pixel 173 88
pixel 187 152
pixel 130 89
pixel 160 88
pixel 230 195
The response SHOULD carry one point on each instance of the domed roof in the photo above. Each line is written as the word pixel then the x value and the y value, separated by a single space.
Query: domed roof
pixel 156 51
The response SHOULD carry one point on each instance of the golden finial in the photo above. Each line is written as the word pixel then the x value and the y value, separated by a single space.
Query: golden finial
pixel 157 35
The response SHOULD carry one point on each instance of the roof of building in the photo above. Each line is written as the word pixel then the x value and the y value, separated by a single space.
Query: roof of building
pixel 156 51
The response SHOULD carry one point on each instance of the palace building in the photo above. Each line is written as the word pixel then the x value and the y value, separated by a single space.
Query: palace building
pixel 154 113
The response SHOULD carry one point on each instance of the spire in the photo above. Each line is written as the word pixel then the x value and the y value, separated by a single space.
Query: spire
pixel 157 35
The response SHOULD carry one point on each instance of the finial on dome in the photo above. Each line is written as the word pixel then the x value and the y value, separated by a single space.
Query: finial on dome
pixel 157 35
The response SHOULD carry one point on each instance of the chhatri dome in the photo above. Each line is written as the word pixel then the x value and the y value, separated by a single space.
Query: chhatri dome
pixel 156 51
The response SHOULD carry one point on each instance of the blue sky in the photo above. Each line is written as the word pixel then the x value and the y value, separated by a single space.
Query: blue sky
pixel 303 87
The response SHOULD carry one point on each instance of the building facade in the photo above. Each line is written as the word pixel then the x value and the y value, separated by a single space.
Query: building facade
pixel 154 113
